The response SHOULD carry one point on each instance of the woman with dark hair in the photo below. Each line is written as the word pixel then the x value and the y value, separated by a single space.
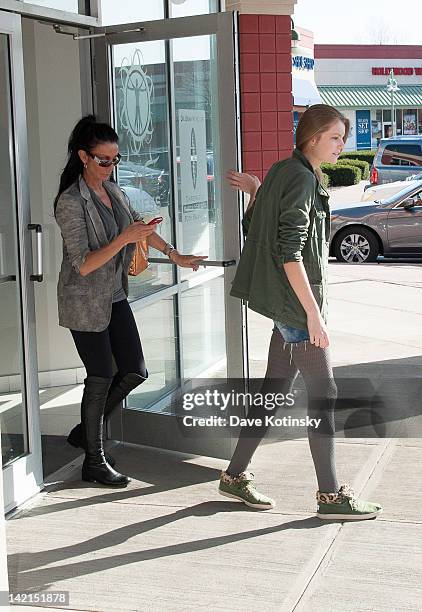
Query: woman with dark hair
pixel 282 274
pixel 99 228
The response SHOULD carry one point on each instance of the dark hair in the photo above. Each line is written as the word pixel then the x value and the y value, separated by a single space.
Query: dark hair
pixel 86 134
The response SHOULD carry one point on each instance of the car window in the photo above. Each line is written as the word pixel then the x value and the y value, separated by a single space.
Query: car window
pixel 417 197
pixel 401 195
pixel 402 154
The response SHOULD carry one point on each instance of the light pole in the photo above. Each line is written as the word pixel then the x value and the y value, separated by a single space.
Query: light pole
pixel 392 87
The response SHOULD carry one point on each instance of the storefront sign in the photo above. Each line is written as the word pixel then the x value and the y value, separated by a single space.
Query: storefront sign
pixel 385 71
pixel 193 176
pixel 303 63
pixel 363 129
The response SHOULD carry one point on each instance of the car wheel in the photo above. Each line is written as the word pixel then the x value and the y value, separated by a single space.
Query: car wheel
pixel 356 245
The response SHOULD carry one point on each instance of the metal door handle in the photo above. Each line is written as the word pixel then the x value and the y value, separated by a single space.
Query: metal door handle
pixel 224 263
pixel 4 278
pixel 38 230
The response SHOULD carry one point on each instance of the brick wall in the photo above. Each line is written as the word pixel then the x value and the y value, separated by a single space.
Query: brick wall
pixel 266 91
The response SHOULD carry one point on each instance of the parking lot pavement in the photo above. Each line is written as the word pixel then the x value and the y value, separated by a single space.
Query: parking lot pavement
pixel 375 312
pixel 342 196
pixel 374 315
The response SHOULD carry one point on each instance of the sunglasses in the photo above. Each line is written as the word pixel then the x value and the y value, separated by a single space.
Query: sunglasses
pixel 106 163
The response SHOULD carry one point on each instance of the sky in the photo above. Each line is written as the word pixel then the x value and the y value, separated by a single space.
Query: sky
pixel 365 22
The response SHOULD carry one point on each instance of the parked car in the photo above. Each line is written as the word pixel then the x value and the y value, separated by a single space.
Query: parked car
pixel 396 159
pixel 390 227
pixel 379 192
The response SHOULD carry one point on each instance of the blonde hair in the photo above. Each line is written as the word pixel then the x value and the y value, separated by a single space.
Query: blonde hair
pixel 317 119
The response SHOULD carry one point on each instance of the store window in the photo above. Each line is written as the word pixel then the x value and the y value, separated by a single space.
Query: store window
pixel 202 308
pixel 197 139
pixel 402 155
pixel 376 127
pixel 141 110
pixel 386 115
pixel 399 121
pixel 409 121
pixel 158 330
pixel 420 121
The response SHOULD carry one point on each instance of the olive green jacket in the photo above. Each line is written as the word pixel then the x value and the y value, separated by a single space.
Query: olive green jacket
pixel 290 221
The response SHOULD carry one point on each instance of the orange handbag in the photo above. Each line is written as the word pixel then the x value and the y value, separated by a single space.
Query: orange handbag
pixel 139 261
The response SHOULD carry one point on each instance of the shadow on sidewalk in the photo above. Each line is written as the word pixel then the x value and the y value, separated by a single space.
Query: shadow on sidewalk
pixel 27 576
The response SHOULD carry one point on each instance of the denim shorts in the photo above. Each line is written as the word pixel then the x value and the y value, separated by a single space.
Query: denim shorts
pixel 292 334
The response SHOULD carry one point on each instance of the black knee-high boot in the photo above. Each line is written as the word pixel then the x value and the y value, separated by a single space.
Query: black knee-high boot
pixel 120 387
pixel 95 467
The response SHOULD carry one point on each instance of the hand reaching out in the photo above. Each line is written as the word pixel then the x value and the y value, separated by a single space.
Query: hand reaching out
pixel 187 261
pixel 242 181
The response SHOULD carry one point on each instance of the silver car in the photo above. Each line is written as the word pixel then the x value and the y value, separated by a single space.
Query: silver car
pixel 396 159
pixel 391 227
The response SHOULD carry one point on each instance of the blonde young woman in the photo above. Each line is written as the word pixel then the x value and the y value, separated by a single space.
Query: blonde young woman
pixel 282 274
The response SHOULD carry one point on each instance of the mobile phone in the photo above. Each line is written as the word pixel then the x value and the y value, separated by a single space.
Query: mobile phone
pixel 155 220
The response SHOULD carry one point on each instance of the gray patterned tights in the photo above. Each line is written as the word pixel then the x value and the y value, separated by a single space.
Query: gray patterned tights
pixel 284 363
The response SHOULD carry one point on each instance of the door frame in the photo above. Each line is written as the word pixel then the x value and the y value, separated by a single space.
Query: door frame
pixel 158 429
pixel 23 478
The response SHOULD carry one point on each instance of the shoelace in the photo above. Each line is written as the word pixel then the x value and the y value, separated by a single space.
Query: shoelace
pixel 347 492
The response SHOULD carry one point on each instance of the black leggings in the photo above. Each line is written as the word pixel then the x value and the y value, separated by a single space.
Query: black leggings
pixel 119 340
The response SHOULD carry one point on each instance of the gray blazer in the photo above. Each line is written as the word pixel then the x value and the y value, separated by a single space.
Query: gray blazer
pixel 84 302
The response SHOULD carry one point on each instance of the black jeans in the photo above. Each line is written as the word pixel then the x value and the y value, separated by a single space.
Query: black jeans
pixel 119 340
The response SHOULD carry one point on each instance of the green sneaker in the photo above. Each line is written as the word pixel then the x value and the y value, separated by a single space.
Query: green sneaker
pixel 242 488
pixel 344 505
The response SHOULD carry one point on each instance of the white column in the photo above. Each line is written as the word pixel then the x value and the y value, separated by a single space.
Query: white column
pixel 4 580
pixel 261 7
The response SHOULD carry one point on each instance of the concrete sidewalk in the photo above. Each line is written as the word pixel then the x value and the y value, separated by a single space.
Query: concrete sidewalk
pixel 169 542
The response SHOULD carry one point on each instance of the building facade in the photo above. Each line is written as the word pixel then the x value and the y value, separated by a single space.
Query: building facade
pixel 304 90
pixel 190 98
pixel 355 79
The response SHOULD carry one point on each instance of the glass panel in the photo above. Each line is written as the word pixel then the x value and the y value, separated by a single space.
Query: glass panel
pixel 203 330
pixel 70 6
pixel 184 8
pixel 402 155
pixel 409 121
pixel 12 405
pixel 141 112
pixel 197 145
pixel 386 114
pixel 157 327
pixel 399 121
pixel 419 121
pixel 376 128
pixel 130 11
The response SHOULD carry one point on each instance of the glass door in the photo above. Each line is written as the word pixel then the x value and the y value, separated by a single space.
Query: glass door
pixel 20 439
pixel 169 89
